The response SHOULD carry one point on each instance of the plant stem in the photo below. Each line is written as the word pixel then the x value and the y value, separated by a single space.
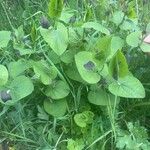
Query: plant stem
pixel 54 124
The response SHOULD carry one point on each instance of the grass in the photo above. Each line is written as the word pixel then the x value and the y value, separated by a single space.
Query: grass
pixel 26 126
pixel 14 12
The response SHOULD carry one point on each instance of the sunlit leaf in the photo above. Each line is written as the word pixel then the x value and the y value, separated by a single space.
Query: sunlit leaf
pixel 56 38
pixel 116 44
pixel 117 17
pixel 96 26
pixel 84 118
pixel 55 8
pixel 4 38
pixel 81 59
pixel 118 66
pixel 17 67
pixel 129 87
pixel 133 39
pixel 3 75
pixel 75 145
pixel 103 45
pixel 21 87
pixel 66 15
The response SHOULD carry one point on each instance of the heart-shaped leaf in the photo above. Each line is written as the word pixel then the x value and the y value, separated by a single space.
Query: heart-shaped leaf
pixel 87 73
pixel 133 39
pixel 58 90
pixel 20 87
pixel 3 75
pixel 56 108
pixel 117 17
pixel 128 86
pixel 18 67
pixel 96 26
pixel 56 38
pixel 4 38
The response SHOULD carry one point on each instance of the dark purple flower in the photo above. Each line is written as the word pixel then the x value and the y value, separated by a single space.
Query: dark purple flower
pixel 44 22
pixel 5 95
pixel 89 65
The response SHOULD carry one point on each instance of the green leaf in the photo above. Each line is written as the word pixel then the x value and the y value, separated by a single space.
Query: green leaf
pixel 54 57
pixel 33 33
pixel 116 44
pixel 129 24
pixel 122 64
pixel 17 68
pixel 129 87
pixel 75 145
pixel 139 132
pixel 19 33
pixel 20 87
pixel 66 15
pixel 73 73
pixel 22 50
pixel 68 56
pixel 57 39
pixel 132 11
pixel 44 72
pixel 58 90
pixel 56 108
pixel 55 8
pixel 101 97
pixel 89 75
pixel 118 65
pixel 4 38
pixel 74 35
pixel 145 47
pixel 96 26
pixel 103 47
pixel 88 14
pixel 3 75
pixel 133 39
pixel 84 118
pixel 126 141
pixel 117 17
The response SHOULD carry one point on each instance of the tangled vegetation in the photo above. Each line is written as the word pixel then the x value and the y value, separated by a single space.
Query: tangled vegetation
pixel 74 75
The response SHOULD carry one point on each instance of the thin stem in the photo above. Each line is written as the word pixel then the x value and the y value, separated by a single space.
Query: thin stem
pixel 54 124
pixel 98 139
pixel 18 136
pixel 59 140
